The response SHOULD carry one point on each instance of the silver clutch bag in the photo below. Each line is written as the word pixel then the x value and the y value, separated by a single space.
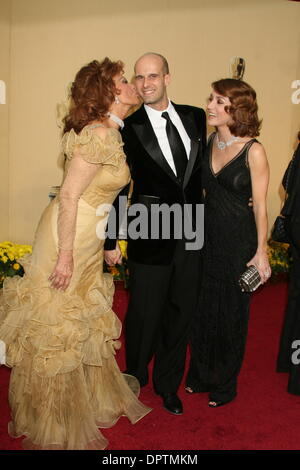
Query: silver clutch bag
pixel 250 280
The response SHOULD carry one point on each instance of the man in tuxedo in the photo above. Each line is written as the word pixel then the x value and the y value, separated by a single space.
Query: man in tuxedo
pixel 164 143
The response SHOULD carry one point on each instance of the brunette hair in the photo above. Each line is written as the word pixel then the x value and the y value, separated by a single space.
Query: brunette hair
pixel 92 93
pixel 243 106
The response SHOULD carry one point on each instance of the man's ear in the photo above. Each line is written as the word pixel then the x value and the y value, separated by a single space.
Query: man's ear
pixel 167 79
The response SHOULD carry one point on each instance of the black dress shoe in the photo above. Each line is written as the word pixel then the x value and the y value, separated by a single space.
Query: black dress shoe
pixel 172 403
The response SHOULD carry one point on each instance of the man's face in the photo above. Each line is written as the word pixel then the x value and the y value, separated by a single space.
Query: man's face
pixel 151 81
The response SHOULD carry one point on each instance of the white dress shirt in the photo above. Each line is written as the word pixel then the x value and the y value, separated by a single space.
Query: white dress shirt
pixel 159 126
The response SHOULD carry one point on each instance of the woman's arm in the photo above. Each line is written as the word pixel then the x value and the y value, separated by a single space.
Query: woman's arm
pixel 79 176
pixel 259 170
pixel 87 155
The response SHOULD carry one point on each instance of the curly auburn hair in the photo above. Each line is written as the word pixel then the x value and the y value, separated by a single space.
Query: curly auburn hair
pixel 92 93
pixel 243 107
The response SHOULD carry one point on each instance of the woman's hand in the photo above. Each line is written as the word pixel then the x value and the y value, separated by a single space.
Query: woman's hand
pixel 62 273
pixel 261 262
pixel 113 257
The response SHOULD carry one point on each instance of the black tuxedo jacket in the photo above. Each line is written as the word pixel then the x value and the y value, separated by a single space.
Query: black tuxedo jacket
pixel 155 182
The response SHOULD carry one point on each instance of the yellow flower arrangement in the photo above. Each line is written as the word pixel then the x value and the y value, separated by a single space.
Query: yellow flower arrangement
pixel 10 253
pixel 280 259
pixel 123 248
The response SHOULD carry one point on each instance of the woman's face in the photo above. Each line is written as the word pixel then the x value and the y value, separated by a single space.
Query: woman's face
pixel 216 114
pixel 127 92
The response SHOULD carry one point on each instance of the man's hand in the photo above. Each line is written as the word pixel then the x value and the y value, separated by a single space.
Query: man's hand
pixel 113 257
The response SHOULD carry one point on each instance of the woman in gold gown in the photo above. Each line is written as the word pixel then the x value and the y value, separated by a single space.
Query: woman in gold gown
pixel 56 321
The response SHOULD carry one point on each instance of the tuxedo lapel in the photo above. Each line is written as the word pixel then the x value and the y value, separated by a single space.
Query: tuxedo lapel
pixel 188 122
pixel 191 162
pixel 148 139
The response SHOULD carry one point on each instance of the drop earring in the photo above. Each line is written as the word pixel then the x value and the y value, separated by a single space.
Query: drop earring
pixel 117 101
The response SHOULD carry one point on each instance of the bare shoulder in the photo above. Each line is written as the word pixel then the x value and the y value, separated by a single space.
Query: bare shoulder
pixel 257 153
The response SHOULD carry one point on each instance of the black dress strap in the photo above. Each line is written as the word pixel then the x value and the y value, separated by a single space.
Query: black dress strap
pixel 247 147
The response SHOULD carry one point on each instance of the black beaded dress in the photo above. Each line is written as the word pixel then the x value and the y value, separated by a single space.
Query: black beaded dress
pixel 220 325
pixel 288 357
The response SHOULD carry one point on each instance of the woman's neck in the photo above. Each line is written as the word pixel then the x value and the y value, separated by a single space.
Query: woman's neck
pixel 224 133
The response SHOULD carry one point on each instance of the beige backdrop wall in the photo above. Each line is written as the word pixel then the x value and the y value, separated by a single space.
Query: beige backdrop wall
pixel 50 41
pixel 5 22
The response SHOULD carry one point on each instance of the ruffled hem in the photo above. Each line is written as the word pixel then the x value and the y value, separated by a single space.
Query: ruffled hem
pixel 65 381
pixel 99 442
pixel 65 412
pixel 60 330
pixel 2 353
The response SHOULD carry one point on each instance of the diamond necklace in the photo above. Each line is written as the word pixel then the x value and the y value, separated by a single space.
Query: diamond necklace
pixel 222 145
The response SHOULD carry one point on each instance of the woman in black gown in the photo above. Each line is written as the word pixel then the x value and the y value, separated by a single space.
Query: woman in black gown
pixel 289 354
pixel 234 170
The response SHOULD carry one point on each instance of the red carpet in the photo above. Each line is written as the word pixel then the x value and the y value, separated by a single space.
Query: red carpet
pixel 263 416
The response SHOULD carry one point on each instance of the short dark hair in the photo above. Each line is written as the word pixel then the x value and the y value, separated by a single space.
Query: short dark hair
pixel 243 108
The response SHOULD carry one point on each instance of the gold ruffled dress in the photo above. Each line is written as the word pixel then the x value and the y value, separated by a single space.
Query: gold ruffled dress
pixel 65 382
